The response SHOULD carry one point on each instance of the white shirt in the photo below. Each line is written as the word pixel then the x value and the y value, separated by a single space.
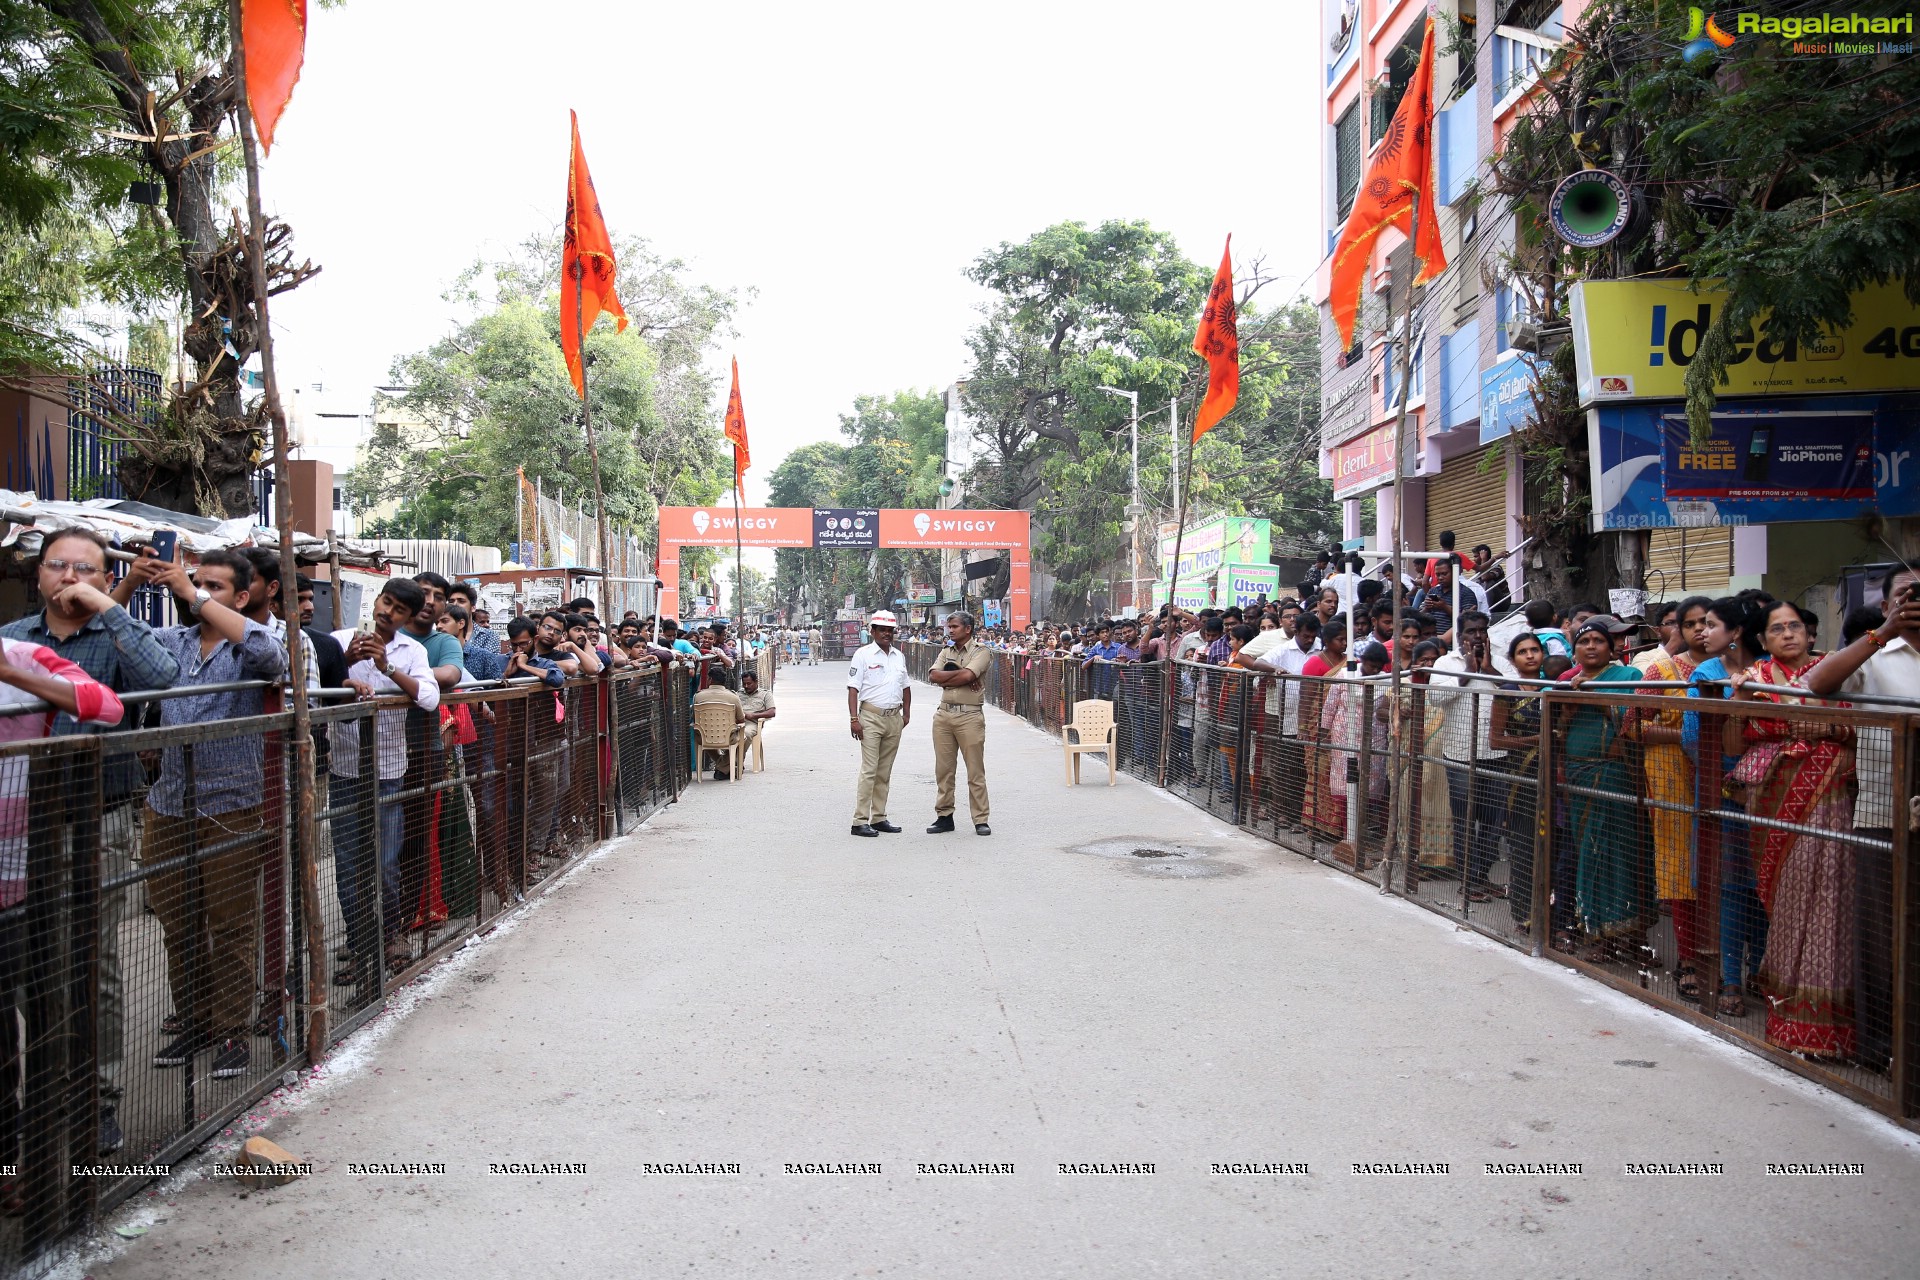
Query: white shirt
pixel 879 674
pixel 404 654
pixel 1283 651
pixel 1892 672
pixel 1347 584
pixel 1448 693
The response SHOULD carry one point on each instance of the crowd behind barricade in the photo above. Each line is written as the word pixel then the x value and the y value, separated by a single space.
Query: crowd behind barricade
pixel 1707 801
pixel 152 941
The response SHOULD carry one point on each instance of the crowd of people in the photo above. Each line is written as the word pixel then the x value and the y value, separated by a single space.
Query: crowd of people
pixel 72 665
pixel 1805 898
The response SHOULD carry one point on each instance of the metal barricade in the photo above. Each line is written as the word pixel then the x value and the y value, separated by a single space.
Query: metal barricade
pixel 154 957
pixel 1674 847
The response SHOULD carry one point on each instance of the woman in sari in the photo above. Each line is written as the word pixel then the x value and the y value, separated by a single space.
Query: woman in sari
pixel 1513 726
pixel 1801 771
pixel 1607 900
pixel 1422 730
pixel 1670 781
pixel 1325 811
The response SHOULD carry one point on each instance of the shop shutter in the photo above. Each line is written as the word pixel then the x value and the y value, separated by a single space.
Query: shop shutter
pixel 1470 502
pixel 1689 562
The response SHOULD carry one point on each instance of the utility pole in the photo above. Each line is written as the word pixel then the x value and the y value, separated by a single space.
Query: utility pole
pixel 1134 509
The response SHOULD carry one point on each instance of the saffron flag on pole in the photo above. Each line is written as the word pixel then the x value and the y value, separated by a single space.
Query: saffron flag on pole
pixel 273 36
pixel 1218 343
pixel 1401 172
pixel 587 267
pixel 737 430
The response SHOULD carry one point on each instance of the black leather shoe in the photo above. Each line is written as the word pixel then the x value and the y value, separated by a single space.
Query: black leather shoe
pixel 862 829
pixel 941 824
pixel 886 828
pixel 982 829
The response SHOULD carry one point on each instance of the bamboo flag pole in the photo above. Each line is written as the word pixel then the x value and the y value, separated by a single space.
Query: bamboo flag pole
pixel 1396 742
pixel 739 576
pixel 305 834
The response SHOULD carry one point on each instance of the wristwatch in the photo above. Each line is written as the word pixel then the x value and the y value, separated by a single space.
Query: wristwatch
pixel 200 597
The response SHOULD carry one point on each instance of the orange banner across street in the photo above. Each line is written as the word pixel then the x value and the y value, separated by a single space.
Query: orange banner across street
pixel 759 526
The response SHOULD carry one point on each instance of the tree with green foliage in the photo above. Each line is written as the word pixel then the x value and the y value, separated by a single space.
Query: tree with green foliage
pixel 101 92
pixel 1078 308
pixel 1790 181
pixel 493 399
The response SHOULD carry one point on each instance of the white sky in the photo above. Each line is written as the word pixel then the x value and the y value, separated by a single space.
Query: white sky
pixel 846 160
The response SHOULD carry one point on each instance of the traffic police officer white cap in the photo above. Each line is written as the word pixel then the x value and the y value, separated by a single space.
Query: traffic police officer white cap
pixel 884 618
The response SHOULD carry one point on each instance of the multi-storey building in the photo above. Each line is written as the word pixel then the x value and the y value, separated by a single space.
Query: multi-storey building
pixel 1466 386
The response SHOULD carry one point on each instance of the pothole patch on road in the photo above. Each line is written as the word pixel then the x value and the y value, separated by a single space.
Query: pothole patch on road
pixel 1161 859
pixel 1151 848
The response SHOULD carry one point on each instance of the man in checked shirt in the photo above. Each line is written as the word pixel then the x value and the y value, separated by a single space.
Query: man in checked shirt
pixel 212 805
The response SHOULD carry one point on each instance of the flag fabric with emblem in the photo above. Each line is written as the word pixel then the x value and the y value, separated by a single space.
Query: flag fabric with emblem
pixel 1402 170
pixel 1218 343
pixel 273 36
pixel 587 267
pixel 737 430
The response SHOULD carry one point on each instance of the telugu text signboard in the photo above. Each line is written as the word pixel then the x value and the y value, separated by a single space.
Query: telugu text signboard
pixel 1633 340
pixel 1506 398
pixel 1770 457
pixel 857 527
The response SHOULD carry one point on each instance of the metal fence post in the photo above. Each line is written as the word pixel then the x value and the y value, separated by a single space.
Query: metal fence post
pixel 1545 801
pixel 1906 946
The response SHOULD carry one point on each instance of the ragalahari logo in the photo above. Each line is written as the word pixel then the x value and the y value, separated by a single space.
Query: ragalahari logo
pixel 1704 36
pixel 700 522
pixel 921 523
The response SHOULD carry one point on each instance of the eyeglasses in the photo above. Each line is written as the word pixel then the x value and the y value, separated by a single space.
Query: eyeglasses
pixel 1786 628
pixel 80 567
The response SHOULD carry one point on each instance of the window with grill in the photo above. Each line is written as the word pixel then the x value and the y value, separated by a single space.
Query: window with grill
pixel 1401 62
pixel 1346 159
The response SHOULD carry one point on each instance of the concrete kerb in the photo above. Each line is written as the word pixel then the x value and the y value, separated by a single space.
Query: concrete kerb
pixel 349 1060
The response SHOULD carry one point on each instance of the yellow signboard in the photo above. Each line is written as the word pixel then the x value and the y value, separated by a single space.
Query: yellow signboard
pixel 1633 340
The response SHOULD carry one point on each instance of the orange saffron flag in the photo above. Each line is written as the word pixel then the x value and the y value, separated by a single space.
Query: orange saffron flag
pixel 1218 343
pixel 587 267
pixel 737 430
pixel 1402 169
pixel 273 38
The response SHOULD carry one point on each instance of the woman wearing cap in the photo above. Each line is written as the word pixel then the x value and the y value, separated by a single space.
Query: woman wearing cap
pixel 1608 905
pixel 1801 772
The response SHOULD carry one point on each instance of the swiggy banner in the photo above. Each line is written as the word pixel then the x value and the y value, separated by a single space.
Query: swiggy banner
pixel 714 526
pixel 954 528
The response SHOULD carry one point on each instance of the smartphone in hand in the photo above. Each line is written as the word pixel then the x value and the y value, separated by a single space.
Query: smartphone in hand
pixel 165 543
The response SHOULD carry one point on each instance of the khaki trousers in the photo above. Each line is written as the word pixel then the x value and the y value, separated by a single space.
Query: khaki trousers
pixel 960 731
pixel 879 743
pixel 210 952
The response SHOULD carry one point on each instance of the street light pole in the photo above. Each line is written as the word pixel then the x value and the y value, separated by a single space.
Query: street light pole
pixel 1134 509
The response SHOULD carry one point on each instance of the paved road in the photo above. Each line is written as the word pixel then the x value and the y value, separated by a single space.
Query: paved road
pixel 744 983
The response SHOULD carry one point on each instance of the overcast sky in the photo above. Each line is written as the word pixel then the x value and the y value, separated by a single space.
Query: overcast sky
pixel 847 161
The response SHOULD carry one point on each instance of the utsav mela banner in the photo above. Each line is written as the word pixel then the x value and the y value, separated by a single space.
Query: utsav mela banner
pixel 1204 548
pixel 1633 340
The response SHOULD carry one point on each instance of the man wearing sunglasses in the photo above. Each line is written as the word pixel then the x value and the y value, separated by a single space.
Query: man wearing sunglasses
pixel 84 625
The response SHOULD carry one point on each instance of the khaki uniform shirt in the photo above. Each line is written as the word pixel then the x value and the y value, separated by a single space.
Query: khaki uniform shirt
pixel 759 700
pixel 976 658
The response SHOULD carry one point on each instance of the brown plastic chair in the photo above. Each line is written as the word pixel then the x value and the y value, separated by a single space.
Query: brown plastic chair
pixel 1093 725
pixel 713 722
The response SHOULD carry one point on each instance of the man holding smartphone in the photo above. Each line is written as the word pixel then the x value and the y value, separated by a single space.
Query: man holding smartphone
pixel 1884 663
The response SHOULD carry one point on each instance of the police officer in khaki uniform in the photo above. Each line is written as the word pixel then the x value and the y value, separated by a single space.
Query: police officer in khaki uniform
pixel 960 725
pixel 879 706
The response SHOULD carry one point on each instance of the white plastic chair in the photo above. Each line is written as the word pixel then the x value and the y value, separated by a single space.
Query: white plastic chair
pixel 1093 725
pixel 713 723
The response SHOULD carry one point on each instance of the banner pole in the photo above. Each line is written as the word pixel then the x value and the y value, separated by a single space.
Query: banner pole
pixel 312 921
